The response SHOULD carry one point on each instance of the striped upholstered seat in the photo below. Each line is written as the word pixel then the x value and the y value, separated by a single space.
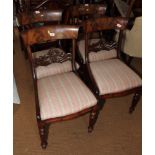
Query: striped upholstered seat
pixel 53 69
pixel 62 95
pixel 114 76
pixel 96 56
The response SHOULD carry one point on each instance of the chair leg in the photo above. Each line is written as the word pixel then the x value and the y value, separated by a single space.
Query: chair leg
pixel 43 132
pixel 93 118
pixel 135 100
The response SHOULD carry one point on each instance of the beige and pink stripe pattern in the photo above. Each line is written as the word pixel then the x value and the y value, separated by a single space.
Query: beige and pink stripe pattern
pixel 53 69
pixel 96 56
pixel 114 76
pixel 62 95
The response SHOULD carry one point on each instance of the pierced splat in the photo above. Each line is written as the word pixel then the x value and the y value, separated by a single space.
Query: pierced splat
pixel 102 45
pixel 54 55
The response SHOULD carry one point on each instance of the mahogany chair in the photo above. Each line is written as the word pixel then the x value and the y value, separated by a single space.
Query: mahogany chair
pixel 108 75
pixel 59 93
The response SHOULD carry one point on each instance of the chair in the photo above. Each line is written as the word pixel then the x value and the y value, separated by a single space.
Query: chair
pixel 108 75
pixel 59 93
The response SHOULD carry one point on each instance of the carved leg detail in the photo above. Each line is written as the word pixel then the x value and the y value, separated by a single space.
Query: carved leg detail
pixel 43 131
pixel 135 100
pixel 93 118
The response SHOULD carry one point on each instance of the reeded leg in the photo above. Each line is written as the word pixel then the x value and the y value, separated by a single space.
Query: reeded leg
pixel 43 131
pixel 93 118
pixel 135 100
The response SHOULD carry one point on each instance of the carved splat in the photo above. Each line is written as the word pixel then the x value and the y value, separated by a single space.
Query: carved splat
pixel 54 55
pixel 102 45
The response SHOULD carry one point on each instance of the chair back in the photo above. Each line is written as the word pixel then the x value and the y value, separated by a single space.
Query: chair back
pixel 81 12
pixel 105 23
pixel 40 16
pixel 49 34
pixel 102 24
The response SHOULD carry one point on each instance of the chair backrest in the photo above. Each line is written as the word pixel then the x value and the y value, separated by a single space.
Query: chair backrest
pixel 101 24
pixel 76 13
pixel 105 23
pixel 37 16
pixel 49 34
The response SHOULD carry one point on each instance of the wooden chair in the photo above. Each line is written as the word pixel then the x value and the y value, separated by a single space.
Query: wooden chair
pixel 37 18
pixel 108 75
pixel 59 93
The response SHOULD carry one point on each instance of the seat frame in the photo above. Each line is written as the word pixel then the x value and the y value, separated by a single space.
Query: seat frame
pixel 55 32
pixel 106 23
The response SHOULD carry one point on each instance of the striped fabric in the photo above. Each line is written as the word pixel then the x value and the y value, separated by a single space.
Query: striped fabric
pixel 52 69
pixel 96 56
pixel 63 94
pixel 114 76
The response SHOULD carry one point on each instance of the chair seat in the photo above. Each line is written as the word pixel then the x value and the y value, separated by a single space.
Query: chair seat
pixel 95 56
pixel 114 76
pixel 62 95
pixel 52 69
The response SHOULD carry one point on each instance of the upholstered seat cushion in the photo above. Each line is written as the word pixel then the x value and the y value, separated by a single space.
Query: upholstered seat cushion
pixel 96 56
pixel 113 76
pixel 52 69
pixel 62 95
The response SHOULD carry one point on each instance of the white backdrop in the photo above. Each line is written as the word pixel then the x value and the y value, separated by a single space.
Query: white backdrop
pixel 16 98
